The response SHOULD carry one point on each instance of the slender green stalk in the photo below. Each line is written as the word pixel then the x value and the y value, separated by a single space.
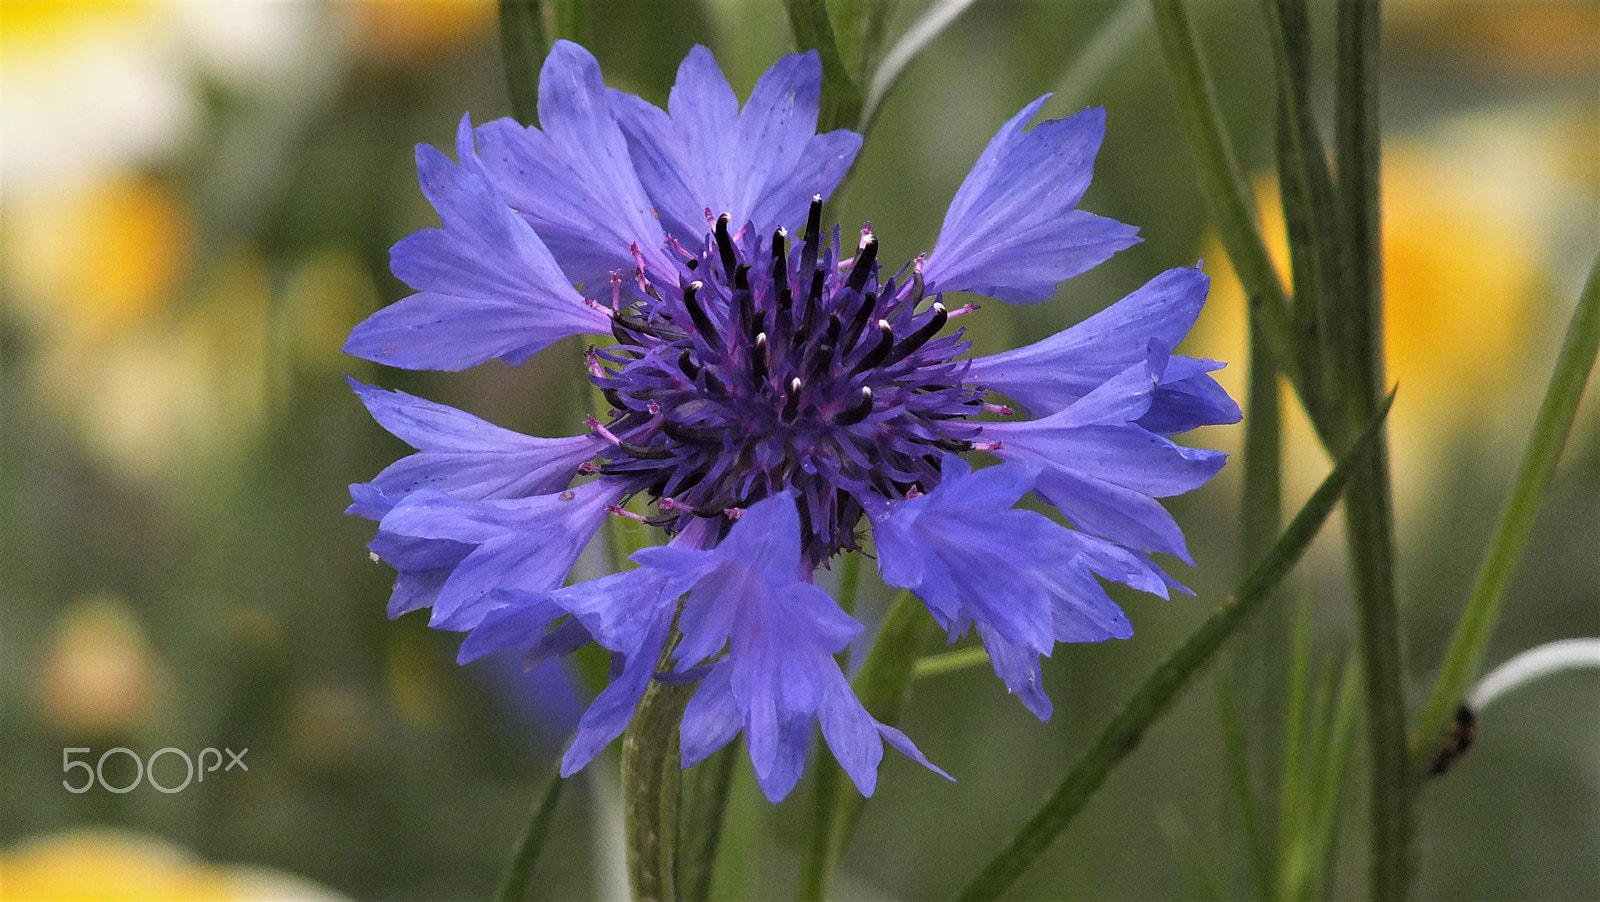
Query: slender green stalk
pixel 570 19
pixel 1257 661
pixel 519 870
pixel 1551 427
pixel 949 662
pixel 1310 206
pixel 650 780
pixel 527 29
pixel 860 26
pixel 1369 511
pixel 1292 787
pixel 1227 194
pixel 1117 36
pixel 1330 764
pixel 841 99
pixel 1153 697
pixel 882 685
pixel 1369 524
pixel 1237 758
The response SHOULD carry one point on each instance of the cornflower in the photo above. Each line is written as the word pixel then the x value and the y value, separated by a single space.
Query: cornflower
pixel 771 397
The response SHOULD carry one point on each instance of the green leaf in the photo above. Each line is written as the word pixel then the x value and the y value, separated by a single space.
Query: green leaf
pixel 1153 697
pixel 519 870
pixel 1551 427
pixel 841 99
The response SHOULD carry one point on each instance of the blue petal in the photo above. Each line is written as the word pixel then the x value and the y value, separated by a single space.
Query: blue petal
pixel 487 286
pixel 1126 455
pixel 786 162
pixel 1022 580
pixel 574 181
pixel 465 457
pixel 608 716
pixel 761 166
pixel 1188 398
pixel 772 636
pixel 705 113
pixel 1102 470
pixel 1012 231
pixel 1017 665
pixel 520 623
pixel 1049 375
pixel 712 718
pixel 527 544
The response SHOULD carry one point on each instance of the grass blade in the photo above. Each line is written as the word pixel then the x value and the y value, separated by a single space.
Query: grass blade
pixel 519 870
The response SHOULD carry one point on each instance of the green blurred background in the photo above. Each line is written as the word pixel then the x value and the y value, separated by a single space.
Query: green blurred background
pixel 198 202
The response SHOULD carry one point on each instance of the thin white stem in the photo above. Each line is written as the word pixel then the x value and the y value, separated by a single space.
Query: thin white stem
pixel 1534 664
pixel 1111 42
pixel 916 39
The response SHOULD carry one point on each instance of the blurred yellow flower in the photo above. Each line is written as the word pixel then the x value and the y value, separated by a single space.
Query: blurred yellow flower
pixel 399 33
pixel 101 676
pixel 115 866
pixel 87 261
pixel 1467 301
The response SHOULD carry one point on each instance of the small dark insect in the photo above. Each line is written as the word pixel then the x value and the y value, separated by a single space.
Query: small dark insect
pixel 1454 745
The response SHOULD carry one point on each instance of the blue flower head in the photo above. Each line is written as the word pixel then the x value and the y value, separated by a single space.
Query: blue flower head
pixel 776 396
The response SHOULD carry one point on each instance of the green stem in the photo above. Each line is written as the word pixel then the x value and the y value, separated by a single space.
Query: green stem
pixel 523 45
pixel 949 662
pixel 938 16
pixel 1158 691
pixel 1370 530
pixel 849 580
pixel 882 685
pixel 527 29
pixel 1227 194
pixel 519 870
pixel 1369 509
pixel 650 781
pixel 1551 428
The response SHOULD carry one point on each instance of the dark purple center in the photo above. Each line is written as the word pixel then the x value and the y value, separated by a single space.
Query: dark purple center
pixel 757 369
